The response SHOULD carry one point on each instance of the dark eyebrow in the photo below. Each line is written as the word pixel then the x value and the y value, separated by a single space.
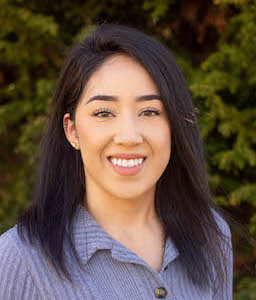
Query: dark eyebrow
pixel 114 98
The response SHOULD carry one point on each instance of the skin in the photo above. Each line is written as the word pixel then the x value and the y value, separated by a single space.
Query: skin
pixel 122 205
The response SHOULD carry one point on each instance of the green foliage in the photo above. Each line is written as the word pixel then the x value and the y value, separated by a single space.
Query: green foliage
pixel 247 289
pixel 28 45
pixel 228 121
pixel 158 8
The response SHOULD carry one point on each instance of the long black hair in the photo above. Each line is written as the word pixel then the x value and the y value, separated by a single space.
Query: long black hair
pixel 183 199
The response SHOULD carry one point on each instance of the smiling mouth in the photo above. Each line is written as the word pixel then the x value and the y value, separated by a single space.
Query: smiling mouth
pixel 127 171
pixel 109 158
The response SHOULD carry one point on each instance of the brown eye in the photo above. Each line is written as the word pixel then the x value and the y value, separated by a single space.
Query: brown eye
pixel 101 111
pixel 152 111
pixel 104 113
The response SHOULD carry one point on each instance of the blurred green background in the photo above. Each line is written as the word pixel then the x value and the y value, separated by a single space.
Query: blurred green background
pixel 214 43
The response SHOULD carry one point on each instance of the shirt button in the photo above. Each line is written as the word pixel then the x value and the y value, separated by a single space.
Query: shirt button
pixel 160 292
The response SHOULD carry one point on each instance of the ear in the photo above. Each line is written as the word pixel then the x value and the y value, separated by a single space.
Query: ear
pixel 70 131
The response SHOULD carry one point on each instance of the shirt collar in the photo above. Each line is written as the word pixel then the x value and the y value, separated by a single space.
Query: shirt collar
pixel 90 237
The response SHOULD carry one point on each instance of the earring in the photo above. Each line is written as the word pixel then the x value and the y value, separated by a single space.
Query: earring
pixel 66 125
pixel 73 144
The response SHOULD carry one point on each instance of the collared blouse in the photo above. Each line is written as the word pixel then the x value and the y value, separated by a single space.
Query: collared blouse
pixel 110 270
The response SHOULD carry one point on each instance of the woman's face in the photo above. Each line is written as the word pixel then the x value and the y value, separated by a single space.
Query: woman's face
pixel 126 127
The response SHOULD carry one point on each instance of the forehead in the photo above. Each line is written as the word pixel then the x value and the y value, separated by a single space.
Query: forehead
pixel 120 75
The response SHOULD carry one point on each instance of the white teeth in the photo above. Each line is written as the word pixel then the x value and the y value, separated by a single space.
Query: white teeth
pixel 126 163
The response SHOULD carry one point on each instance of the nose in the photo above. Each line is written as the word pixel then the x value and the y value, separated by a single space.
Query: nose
pixel 128 132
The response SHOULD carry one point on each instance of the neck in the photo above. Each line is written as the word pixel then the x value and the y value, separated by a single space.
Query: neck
pixel 132 221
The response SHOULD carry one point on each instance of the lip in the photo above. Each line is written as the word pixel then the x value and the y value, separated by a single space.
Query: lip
pixel 124 171
pixel 127 155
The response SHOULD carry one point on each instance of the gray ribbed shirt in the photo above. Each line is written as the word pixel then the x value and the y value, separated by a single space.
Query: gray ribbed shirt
pixel 110 270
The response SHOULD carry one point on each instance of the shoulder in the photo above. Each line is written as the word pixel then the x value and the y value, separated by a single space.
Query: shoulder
pixel 8 247
pixel 225 287
pixel 222 224
pixel 9 244
pixel 15 278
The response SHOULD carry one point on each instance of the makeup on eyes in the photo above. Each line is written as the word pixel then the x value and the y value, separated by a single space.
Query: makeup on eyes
pixel 149 110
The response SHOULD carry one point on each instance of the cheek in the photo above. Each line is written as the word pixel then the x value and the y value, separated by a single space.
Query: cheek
pixel 162 144
pixel 92 140
pixel 161 135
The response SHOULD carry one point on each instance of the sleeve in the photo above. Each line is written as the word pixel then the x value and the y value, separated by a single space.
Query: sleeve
pixel 16 282
pixel 225 289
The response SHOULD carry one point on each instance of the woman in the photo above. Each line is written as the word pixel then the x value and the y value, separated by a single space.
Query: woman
pixel 121 208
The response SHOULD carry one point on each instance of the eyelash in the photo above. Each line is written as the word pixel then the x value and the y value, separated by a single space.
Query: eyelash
pixel 105 110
